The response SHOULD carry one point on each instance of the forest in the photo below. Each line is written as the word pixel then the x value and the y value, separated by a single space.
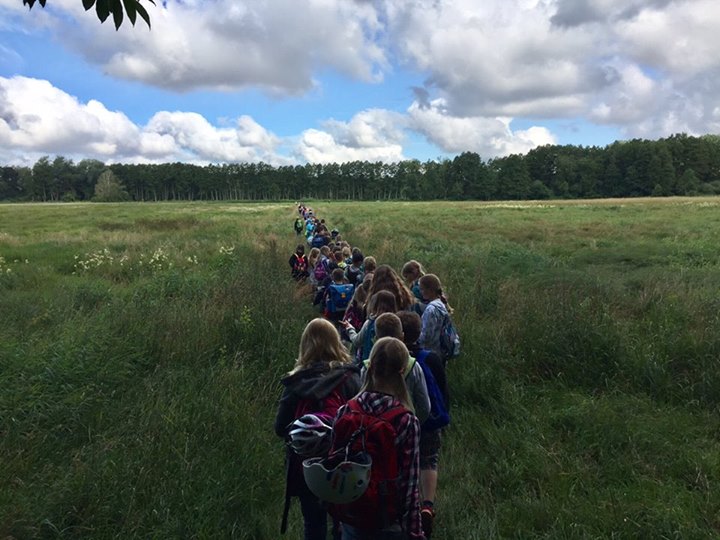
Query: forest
pixel 677 165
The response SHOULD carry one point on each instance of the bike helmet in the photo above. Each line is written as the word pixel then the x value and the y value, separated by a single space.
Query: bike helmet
pixel 338 479
pixel 309 436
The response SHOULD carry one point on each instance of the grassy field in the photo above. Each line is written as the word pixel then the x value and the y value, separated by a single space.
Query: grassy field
pixel 141 347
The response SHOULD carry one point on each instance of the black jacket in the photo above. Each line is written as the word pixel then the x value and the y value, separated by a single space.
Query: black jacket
pixel 315 382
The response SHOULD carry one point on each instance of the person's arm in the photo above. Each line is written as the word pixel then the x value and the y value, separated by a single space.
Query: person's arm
pixel 286 412
pixel 408 444
pixel 437 367
pixel 420 398
pixel 356 338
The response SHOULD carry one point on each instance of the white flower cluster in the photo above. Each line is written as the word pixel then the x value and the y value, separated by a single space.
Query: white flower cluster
pixel 159 260
pixel 229 250
pixel 4 268
pixel 91 260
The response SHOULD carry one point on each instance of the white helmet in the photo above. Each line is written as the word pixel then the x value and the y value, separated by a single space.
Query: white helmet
pixel 338 479
pixel 309 436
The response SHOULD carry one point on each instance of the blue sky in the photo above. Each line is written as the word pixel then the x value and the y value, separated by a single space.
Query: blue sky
pixel 294 81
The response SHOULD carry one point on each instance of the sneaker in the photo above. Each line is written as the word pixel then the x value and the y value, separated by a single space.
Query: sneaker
pixel 427 516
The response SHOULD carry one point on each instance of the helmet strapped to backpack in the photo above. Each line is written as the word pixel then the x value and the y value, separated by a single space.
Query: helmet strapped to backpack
pixel 373 503
pixel 339 479
pixel 309 436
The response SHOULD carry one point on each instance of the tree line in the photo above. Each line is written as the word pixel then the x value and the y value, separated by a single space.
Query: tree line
pixel 677 165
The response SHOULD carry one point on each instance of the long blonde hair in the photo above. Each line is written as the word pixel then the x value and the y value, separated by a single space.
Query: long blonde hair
pixel 320 344
pixel 313 257
pixel 388 360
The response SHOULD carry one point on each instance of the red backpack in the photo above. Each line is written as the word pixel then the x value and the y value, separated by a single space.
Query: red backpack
pixel 381 504
pixel 326 407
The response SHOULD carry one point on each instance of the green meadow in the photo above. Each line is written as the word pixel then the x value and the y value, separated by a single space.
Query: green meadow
pixel 141 346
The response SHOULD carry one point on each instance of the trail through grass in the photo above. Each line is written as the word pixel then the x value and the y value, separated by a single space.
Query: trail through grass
pixel 142 345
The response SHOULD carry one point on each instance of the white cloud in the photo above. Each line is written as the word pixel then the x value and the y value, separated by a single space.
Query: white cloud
pixel 373 135
pixel 37 119
pixel 498 57
pixel 489 137
pixel 649 67
pixel 227 45
pixel 680 41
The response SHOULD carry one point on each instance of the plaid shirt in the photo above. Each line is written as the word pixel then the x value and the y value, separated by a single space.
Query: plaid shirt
pixel 407 444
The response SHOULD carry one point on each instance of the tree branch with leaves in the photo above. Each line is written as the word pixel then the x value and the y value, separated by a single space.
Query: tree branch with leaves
pixel 117 8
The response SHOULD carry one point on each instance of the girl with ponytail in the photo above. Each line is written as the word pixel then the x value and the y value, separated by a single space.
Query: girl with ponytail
pixel 435 315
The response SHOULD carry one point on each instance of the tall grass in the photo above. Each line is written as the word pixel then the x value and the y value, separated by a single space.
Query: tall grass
pixel 138 399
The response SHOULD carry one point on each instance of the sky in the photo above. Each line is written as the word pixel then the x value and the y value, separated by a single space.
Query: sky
pixel 295 81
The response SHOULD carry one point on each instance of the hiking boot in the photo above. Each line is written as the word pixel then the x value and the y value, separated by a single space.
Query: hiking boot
pixel 427 516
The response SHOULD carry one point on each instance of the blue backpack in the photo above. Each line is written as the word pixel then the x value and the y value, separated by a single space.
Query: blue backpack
pixel 368 342
pixel 338 297
pixel 449 339
pixel 439 415
pixel 318 241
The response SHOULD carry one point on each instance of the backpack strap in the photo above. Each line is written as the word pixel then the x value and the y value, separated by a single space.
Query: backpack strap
pixel 388 416
pixel 409 367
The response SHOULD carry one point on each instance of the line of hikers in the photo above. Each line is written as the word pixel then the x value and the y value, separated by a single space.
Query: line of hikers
pixel 365 405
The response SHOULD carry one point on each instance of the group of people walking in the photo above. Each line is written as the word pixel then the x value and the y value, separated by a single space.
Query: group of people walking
pixel 364 407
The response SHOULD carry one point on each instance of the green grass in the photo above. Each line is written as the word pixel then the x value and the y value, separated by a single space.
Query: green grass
pixel 138 389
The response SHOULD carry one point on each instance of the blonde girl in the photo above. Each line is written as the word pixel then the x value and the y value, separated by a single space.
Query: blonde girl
pixel 411 272
pixel 321 379
pixel 385 391
pixel 312 261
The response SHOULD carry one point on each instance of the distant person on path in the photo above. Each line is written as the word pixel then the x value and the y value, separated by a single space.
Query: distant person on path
pixel 337 296
pixel 299 226
pixel 354 271
pixel 299 264
pixel 369 266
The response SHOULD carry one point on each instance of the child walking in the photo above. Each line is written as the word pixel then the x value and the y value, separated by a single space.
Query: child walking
pixel 362 340
pixel 411 272
pixel 299 264
pixel 430 435
pixel 385 396
pixel 386 279
pixel 389 325
pixel 435 315
pixel 322 379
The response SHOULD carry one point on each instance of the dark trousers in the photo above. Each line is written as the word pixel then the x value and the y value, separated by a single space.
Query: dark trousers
pixel 315 518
